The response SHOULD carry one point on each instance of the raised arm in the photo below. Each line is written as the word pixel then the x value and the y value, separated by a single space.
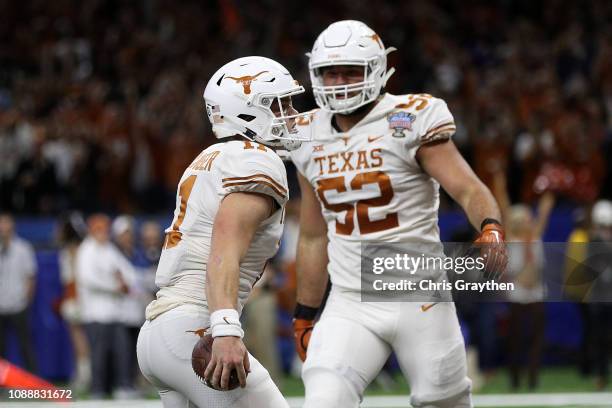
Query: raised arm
pixel 500 191
pixel 545 207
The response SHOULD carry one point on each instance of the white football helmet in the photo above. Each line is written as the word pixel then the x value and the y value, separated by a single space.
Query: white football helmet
pixel 349 42
pixel 240 98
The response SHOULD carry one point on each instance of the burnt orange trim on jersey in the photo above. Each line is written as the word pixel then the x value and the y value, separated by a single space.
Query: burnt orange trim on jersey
pixel 433 130
pixel 172 239
pixel 258 175
pixel 432 136
pixel 448 127
pixel 444 129
pixel 241 183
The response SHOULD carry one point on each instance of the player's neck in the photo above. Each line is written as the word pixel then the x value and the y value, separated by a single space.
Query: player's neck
pixel 344 123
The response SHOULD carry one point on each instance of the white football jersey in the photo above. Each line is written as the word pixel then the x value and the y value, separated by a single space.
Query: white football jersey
pixel 369 182
pixel 221 169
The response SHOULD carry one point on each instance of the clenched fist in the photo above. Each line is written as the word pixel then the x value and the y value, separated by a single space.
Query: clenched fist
pixel 302 329
pixel 493 249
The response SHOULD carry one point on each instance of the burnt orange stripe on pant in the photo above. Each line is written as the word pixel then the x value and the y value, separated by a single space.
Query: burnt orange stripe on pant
pixel 254 176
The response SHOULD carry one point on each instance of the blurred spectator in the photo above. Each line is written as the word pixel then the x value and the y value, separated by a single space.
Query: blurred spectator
pixel 577 283
pixel 97 92
pixel 123 235
pixel 149 252
pixel 139 296
pixel 104 277
pixel 36 186
pixel 17 285
pixel 287 288
pixel 478 318
pixel 525 267
pixel 71 231
pixel 261 323
pixel 286 258
pixel 599 263
pixel 150 246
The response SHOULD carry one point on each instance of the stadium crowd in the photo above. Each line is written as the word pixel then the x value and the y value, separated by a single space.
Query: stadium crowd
pixel 101 109
pixel 100 104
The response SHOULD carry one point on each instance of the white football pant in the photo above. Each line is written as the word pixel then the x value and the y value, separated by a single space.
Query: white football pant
pixel 164 356
pixel 353 340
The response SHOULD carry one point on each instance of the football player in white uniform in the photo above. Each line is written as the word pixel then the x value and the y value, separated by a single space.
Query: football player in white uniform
pixel 372 174
pixel 227 223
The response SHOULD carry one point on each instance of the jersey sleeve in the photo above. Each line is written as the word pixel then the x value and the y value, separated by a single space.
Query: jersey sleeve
pixel 435 122
pixel 251 169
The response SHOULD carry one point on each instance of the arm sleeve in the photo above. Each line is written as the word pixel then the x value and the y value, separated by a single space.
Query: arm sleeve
pixel 255 171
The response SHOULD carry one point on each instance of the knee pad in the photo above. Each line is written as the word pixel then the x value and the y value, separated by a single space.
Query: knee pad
pixel 326 388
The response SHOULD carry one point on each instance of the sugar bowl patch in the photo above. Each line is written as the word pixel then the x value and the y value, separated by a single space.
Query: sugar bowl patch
pixel 400 122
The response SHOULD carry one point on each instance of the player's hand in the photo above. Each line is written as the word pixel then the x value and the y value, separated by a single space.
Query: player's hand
pixel 228 354
pixel 491 243
pixel 302 329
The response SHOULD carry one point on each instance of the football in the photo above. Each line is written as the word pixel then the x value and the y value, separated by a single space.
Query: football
pixel 199 361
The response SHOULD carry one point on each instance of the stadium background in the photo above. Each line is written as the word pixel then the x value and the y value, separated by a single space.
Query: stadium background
pixel 101 110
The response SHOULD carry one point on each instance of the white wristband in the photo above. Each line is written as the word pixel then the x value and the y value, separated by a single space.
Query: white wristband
pixel 226 322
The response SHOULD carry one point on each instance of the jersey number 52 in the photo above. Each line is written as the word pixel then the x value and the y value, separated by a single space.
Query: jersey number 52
pixel 366 226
